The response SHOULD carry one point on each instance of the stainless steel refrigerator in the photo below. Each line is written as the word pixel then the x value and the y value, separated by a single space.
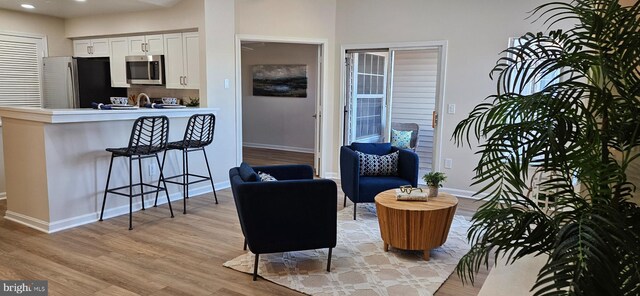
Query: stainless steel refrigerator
pixel 77 82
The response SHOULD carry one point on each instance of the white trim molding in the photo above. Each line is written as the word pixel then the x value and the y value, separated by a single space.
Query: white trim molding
pixel 325 93
pixel 277 147
pixel 464 193
pixel 3 195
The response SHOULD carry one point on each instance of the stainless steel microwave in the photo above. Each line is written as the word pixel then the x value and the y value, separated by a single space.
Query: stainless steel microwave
pixel 145 69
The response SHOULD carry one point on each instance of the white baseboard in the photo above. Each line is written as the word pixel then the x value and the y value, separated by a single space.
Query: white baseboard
pixel 31 222
pixel 332 175
pixel 55 226
pixel 463 193
pixel 3 195
pixel 278 147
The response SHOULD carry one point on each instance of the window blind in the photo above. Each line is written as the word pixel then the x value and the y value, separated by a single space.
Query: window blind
pixel 20 71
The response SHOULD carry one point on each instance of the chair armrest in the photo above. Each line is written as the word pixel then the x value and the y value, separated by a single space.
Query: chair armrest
pixel 408 165
pixel 287 172
pixel 288 215
pixel 349 172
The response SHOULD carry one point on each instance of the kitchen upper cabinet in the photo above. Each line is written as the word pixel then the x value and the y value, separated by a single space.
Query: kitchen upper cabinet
pixel 146 45
pixel 119 48
pixel 182 60
pixel 91 48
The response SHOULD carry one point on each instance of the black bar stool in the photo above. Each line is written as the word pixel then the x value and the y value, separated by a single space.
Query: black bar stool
pixel 149 137
pixel 197 136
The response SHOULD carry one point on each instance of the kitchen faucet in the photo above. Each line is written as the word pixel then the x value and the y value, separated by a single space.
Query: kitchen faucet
pixel 138 99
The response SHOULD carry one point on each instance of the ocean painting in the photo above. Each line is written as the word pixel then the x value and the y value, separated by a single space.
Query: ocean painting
pixel 280 80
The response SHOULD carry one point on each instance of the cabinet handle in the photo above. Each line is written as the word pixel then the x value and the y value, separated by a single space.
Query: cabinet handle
pixel 142 47
pixel 88 49
pixel 146 47
pixel 185 80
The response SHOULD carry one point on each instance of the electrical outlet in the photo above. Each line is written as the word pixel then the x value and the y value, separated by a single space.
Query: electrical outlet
pixel 448 163
pixel 452 109
pixel 152 170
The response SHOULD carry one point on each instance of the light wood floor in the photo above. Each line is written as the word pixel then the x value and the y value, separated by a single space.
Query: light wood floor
pixel 160 256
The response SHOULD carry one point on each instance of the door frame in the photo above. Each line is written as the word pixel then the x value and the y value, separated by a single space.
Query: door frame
pixel 442 45
pixel 320 142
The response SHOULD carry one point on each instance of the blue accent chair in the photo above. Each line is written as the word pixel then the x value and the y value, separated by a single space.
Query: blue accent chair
pixel 294 213
pixel 361 189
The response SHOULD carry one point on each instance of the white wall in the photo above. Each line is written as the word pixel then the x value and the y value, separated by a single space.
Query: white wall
pixel 476 32
pixel 187 14
pixel 52 27
pixel 279 122
pixel 298 19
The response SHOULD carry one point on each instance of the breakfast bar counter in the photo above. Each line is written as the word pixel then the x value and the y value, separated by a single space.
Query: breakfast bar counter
pixel 56 164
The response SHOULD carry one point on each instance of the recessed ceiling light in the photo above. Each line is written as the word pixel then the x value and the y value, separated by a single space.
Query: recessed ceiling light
pixel 81 0
pixel 28 6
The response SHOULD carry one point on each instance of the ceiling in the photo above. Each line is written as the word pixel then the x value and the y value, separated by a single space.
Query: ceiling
pixel 73 8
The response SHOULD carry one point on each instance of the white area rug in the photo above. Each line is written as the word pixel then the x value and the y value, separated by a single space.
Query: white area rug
pixel 359 265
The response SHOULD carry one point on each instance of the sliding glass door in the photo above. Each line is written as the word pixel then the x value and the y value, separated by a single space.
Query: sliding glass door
pixel 387 87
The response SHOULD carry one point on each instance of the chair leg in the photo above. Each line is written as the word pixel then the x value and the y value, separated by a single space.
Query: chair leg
pixel 141 184
pixel 164 183
pixel 130 193
pixel 355 205
pixel 213 187
pixel 245 244
pixel 255 268
pixel 106 187
pixel 329 261
pixel 164 156
pixel 345 201
pixel 185 179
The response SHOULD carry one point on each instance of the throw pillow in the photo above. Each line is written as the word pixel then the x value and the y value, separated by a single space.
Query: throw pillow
pixel 247 173
pixel 264 177
pixel 401 139
pixel 378 165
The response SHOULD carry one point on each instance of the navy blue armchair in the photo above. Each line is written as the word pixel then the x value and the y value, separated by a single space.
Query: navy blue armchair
pixel 294 213
pixel 361 189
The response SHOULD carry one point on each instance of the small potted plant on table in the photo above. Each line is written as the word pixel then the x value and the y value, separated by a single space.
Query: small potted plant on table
pixel 434 180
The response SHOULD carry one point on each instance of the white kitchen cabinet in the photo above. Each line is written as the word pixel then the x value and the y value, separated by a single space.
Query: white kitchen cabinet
pixel 91 48
pixel 119 48
pixel 182 60
pixel 146 45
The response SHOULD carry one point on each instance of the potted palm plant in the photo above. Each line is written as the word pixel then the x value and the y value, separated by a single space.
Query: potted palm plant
pixel 579 125
pixel 434 181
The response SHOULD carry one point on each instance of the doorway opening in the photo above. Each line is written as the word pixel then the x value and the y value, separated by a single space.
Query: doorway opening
pixel 280 102
pixel 393 88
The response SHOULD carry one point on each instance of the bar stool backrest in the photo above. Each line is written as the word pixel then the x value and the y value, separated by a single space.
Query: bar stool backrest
pixel 149 135
pixel 199 132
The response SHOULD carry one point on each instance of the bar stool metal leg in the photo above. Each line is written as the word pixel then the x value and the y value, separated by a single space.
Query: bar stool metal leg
pixel 185 180
pixel 164 156
pixel 106 188
pixel 213 187
pixel 141 183
pixel 130 193
pixel 164 183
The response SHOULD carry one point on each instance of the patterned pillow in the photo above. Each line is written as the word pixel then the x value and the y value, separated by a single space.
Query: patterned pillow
pixel 401 139
pixel 378 165
pixel 264 177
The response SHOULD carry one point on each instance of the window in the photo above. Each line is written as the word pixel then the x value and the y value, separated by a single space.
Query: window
pixel 21 70
pixel 539 82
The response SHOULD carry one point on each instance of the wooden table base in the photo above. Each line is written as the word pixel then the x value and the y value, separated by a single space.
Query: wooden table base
pixel 415 225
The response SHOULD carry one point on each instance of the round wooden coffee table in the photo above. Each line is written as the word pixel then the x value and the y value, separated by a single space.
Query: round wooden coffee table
pixel 415 225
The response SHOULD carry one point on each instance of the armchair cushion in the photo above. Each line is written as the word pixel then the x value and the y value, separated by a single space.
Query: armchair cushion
pixel 378 165
pixel 247 173
pixel 371 186
pixel 372 148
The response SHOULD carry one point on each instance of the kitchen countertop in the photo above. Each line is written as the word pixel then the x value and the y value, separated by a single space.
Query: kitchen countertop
pixel 90 115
